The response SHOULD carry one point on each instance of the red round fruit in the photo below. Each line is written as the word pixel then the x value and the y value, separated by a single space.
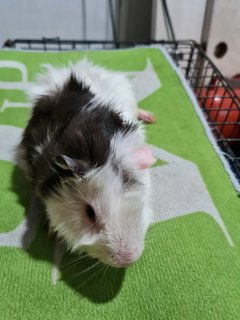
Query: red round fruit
pixel 222 110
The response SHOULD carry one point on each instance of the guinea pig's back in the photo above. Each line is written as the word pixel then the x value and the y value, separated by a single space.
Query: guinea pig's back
pixel 111 87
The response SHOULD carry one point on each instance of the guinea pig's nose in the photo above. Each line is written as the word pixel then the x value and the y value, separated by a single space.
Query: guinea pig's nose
pixel 124 258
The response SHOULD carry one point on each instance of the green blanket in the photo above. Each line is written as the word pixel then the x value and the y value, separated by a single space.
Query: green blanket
pixel 190 268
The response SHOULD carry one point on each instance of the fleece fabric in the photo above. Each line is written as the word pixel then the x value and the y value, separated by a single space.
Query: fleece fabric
pixel 190 268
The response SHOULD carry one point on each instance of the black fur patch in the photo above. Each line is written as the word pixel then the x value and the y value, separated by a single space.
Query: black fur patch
pixel 128 179
pixel 126 176
pixel 68 123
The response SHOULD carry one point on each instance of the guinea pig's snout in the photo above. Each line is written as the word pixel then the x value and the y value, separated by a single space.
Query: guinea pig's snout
pixel 125 257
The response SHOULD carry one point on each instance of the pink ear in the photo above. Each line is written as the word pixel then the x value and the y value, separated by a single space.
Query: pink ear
pixel 142 158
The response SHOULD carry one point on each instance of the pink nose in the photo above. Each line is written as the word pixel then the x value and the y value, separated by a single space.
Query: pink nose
pixel 124 258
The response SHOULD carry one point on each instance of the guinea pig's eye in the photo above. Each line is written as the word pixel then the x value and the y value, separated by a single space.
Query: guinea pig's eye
pixel 90 213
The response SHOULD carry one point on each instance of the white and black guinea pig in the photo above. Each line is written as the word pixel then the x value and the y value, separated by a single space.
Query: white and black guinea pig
pixel 83 151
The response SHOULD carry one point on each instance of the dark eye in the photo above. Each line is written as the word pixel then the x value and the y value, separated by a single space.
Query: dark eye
pixel 90 213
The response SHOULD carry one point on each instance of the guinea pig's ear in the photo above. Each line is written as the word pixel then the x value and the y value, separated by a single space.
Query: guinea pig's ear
pixel 142 158
pixel 66 163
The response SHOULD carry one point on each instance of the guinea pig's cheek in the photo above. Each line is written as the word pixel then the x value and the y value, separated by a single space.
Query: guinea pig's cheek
pixel 97 252
pixel 85 241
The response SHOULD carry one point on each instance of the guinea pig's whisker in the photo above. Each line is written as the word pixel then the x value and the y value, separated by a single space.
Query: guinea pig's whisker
pixel 77 275
pixel 106 267
pixel 76 260
pixel 102 268
pixel 88 279
pixel 73 264
pixel 86 270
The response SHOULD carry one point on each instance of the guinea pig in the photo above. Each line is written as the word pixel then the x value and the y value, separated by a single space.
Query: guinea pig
pixel 84 154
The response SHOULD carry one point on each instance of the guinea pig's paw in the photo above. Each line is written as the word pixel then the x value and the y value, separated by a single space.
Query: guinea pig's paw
pixel 146 116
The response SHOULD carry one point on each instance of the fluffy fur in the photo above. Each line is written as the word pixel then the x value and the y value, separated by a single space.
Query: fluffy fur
pixel 79 153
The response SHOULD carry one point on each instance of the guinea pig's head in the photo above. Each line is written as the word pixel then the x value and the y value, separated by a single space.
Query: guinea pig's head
pixel 103 211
